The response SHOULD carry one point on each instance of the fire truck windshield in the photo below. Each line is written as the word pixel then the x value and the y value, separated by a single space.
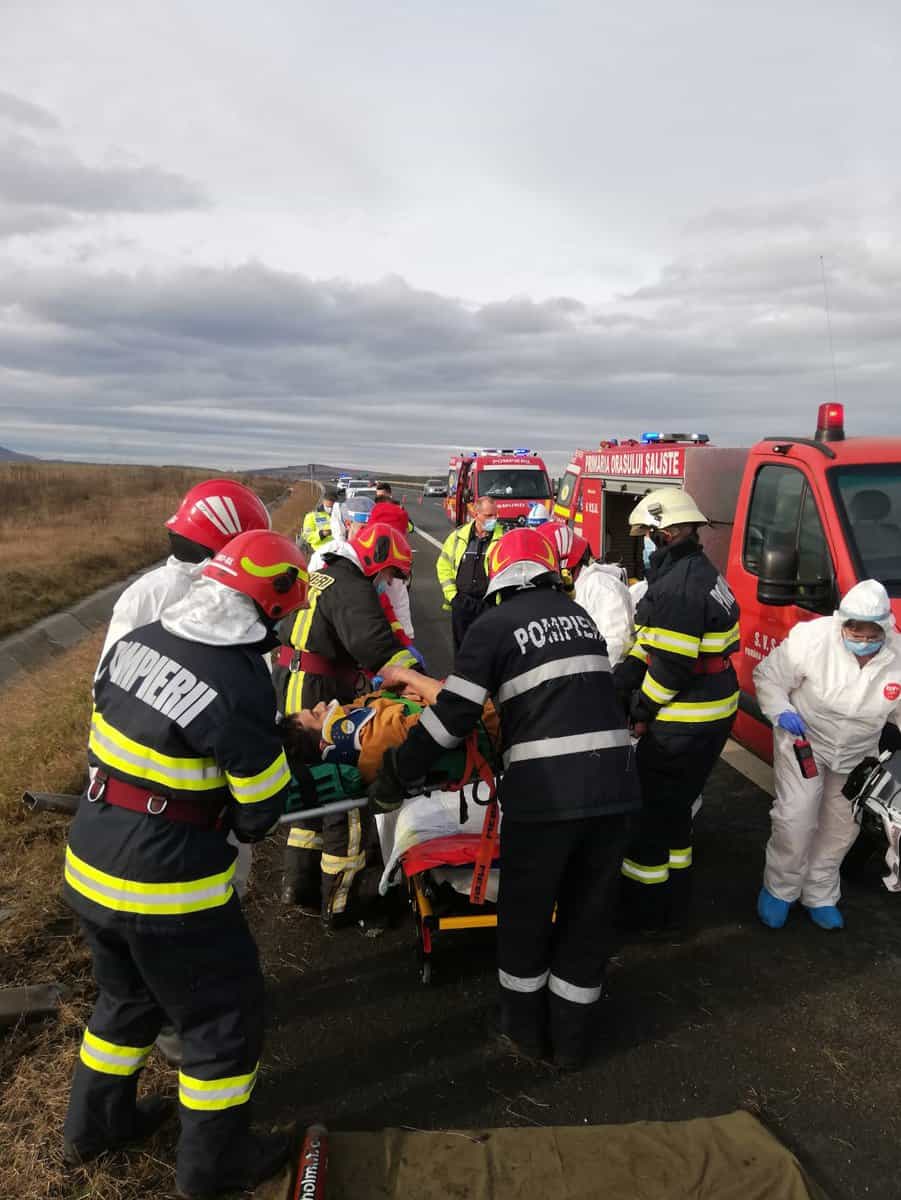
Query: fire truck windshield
pixel 514 483
pixel 869 499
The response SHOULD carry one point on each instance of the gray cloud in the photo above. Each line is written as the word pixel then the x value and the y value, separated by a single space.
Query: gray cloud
pixel 247 365
pixel 32 173
pixel 17 111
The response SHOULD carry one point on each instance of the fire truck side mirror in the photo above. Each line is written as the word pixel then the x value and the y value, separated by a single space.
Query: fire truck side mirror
pixel 777 583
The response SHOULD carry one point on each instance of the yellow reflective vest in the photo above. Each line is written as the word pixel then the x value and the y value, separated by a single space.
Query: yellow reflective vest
pixel 452 555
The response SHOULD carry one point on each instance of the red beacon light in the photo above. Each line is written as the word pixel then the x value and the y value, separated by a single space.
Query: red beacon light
pixel 830 423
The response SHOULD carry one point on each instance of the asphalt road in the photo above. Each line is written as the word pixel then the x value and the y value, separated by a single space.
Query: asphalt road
pixel 801 1025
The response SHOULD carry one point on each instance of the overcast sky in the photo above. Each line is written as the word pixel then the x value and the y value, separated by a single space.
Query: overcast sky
pixel 257 234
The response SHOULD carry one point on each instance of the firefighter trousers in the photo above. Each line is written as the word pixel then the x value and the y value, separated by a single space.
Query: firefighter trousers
pixel 657 870
pixel 205 979
pixel 551 972
pixel 327 855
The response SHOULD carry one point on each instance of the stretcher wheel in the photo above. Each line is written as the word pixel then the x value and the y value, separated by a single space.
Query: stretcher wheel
pixel 425 972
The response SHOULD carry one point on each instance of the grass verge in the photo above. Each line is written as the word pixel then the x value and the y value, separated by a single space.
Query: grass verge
pixel 44 719
pixel 68 529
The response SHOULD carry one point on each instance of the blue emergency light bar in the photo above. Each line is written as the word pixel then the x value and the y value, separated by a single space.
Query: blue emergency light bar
pixel 650 438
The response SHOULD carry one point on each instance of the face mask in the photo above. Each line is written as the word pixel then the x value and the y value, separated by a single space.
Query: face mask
pixel 489 523
pixel 647 550
pixel 862 649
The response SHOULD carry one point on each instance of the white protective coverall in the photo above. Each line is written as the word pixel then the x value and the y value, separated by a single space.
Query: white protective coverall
pixel 144 600
pixel 844 707
pixel 601 592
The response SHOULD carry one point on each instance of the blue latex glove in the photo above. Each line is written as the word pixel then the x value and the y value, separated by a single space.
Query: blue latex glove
pixel 792 723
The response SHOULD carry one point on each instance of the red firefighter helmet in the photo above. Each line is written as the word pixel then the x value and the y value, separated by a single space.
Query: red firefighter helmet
pixel 267 567
pixel 571 547
pixel 214 512
pixel 518 558
pixel 378 546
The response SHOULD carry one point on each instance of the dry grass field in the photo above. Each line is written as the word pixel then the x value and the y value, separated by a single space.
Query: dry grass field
pixel 44 723
pixel 68 529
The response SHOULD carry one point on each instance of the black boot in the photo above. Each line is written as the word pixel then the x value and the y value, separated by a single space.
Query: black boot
pixel 259 1157
pixel 300 878
pixel 150 1114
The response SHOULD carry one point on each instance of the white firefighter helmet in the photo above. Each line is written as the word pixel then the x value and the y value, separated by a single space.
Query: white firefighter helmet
pixel 662 508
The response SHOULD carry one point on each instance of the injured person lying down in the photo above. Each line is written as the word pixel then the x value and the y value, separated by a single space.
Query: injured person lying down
pixel 359 733
pixel 343 745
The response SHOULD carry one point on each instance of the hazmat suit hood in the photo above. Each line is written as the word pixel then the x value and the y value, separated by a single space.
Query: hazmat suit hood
pixel 215 615
pixel 866 601
pixel 342 550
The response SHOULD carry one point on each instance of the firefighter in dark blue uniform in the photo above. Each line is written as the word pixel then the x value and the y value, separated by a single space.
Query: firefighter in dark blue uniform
pixel 567 791
pixel 681 691
pixel 183 747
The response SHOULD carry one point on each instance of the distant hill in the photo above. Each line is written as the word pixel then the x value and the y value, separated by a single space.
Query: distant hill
pixel 320 471
pixel 15 456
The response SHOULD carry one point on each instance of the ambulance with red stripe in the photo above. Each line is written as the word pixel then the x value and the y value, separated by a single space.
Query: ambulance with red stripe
pixel 514 479
pixel 795 522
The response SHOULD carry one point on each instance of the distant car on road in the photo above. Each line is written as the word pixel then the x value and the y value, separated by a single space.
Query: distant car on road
pixel 362 490
pixel 434 487
pixel 353 486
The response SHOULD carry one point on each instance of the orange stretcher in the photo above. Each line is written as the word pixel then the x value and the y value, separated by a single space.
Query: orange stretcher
pixel 454 850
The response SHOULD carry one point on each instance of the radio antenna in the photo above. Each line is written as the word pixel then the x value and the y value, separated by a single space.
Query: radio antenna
pixel 829 330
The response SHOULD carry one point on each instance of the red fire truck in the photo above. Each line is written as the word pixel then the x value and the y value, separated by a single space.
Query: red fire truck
pixel 515 479
pixel 796 522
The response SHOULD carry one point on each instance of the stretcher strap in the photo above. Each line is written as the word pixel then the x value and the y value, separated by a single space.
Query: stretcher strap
pixel 475 766
pixel 487 851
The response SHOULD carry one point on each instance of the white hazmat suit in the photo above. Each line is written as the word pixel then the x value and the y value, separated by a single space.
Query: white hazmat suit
pixel 600 591
pixel 844 706
pixel 144 600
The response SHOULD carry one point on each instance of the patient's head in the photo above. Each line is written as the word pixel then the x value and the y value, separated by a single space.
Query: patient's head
pixel 301 736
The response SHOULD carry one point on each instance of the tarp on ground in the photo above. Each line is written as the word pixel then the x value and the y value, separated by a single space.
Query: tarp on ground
pixel 732 1157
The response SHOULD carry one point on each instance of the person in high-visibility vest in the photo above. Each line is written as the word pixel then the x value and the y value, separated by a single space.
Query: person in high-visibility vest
pixel 316 530
pixel 568 791
pixel 184 748
pixel 681 692
pixel 461 566
pixel 344 634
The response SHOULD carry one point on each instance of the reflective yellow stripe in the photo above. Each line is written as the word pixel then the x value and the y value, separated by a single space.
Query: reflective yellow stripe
pixel 334 864
pixel 642 874
pixel 294 694
pixel 403 658
pixel 108 1058
pixel 716 643
pixel 669 639
pixel 560 511
pixel 253 789
pixel 211 1095
pixel 304 839
pixel 696 713
pixel 300 631
pixel 157 899
pixel 578 518
pixel 680 859
pixel 639 653
pixel 122 753
pixel 656 691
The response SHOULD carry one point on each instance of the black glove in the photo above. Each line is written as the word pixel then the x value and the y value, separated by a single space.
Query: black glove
pixel 388 790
